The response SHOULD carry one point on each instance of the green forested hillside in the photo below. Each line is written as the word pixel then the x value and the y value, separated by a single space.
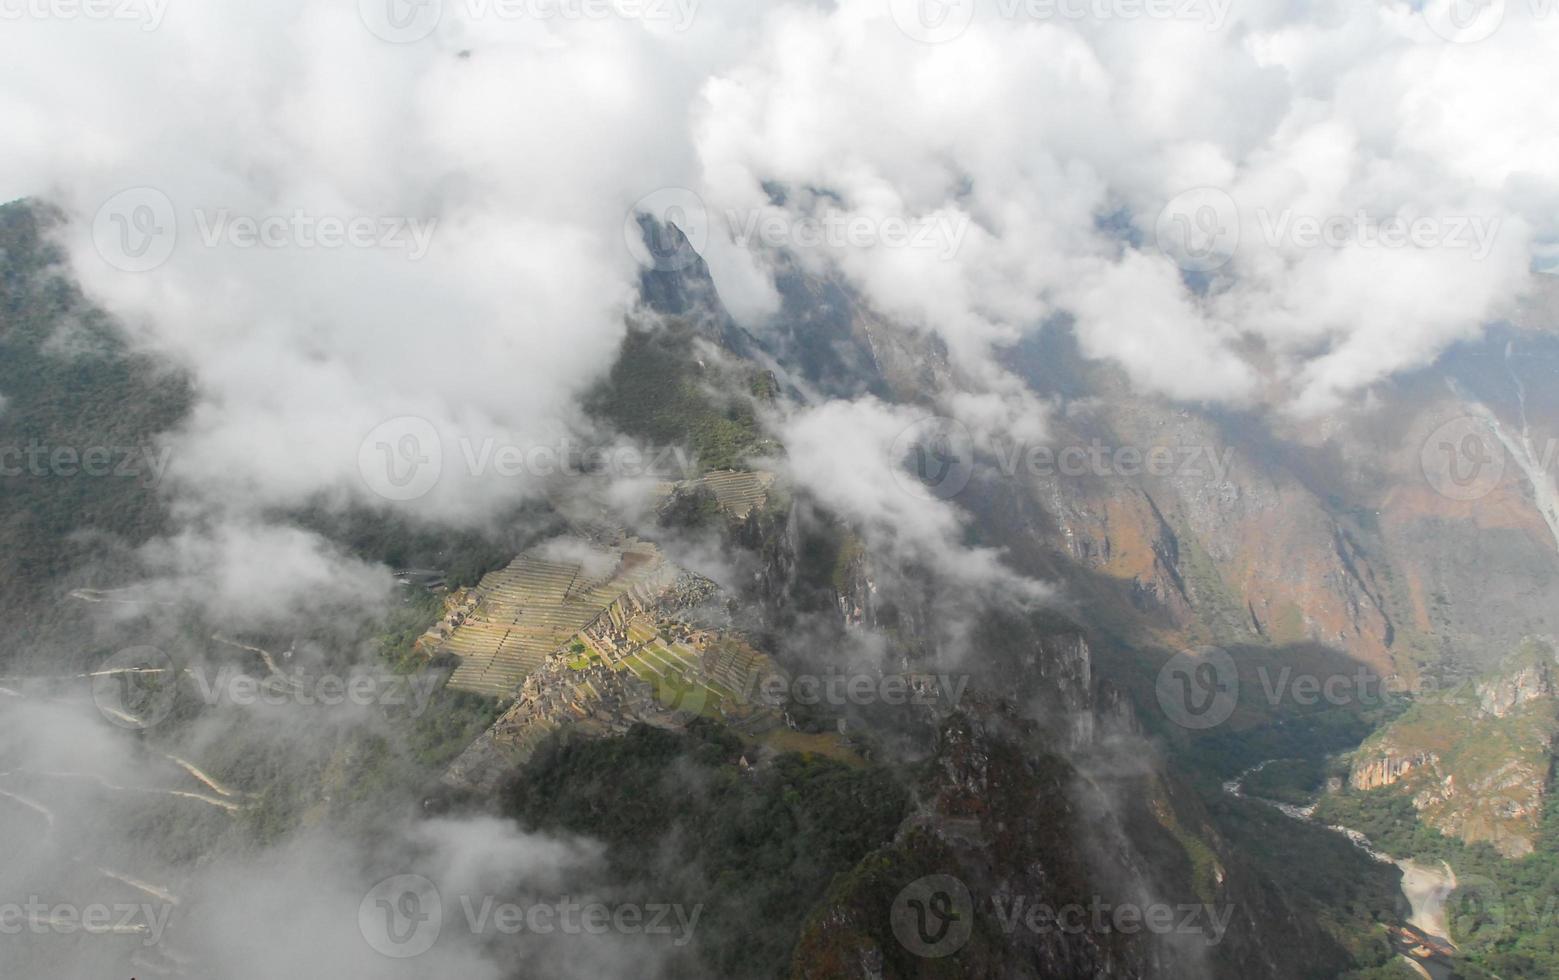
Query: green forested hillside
pixel 69 385
pixel 684 823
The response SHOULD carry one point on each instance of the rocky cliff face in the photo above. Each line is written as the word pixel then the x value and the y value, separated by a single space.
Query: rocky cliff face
pixel 1017 839
pixel 1268 531
pixel 1175 525
pixel 1501 695
pixel 1379 772
pixel 1181 526
pixel 1229 545
pixel 1475 758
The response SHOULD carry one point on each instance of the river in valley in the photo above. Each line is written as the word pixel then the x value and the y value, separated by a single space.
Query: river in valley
pixel 1425 887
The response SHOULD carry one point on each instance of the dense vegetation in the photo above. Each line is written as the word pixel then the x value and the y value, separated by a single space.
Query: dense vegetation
pixel 685 822
pixel 69 384
pixel 660 390
pixel 1321 873
pixel 1505 914
pixel 1286 781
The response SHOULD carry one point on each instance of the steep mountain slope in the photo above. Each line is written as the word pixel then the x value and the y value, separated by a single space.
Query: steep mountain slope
pixel 1044 771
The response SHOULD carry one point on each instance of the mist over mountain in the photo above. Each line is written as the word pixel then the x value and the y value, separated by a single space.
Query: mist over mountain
pixel 715 489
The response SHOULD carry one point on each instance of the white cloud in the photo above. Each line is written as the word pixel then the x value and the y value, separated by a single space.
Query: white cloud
pixel 526 155
pixel 1043 143
pixel 847 454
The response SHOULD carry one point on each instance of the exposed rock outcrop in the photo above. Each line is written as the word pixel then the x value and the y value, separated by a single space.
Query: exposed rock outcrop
pixel 1501 695
pixel 1475 759
pixel 1385 771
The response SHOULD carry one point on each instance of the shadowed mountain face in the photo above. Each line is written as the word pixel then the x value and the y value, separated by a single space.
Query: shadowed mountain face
pixel 1353 564
pixel 1410 536
pixel 1342 567
pixel 1414 541
pixel 81 420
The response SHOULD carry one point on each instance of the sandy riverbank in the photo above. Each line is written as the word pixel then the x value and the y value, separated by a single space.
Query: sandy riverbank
pixel 1427 888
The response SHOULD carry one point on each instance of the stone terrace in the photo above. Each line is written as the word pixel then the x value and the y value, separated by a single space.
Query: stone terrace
pixel 738 492
pixel 531 608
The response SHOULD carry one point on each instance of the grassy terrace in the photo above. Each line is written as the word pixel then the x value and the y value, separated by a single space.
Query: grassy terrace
pixel 533 608
pixel 738 491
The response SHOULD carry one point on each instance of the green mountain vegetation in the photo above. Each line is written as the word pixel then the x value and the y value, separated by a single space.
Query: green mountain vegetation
pixel 70 385
pixel 664 391
pixel 685 821
pixel 1504 916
